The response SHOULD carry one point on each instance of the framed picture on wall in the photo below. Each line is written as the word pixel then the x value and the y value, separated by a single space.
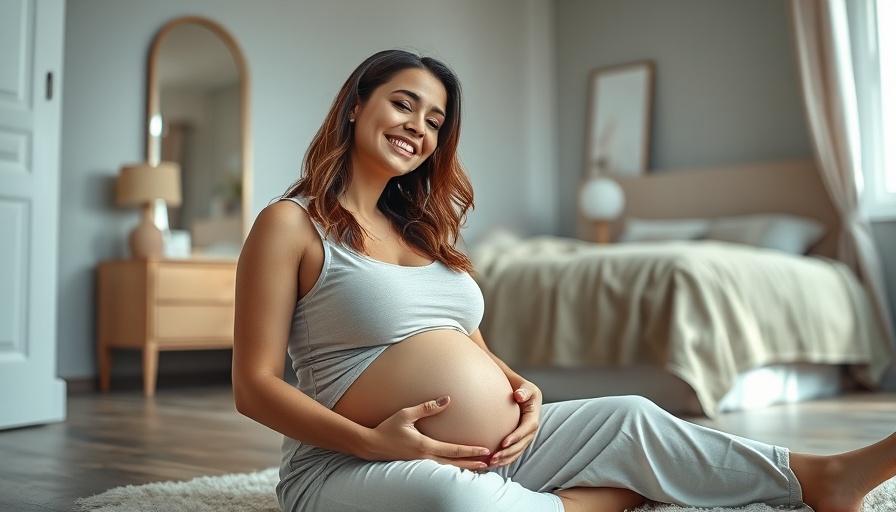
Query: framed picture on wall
pixel 620 101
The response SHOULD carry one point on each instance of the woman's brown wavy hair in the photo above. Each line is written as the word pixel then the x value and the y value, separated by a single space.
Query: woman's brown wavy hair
pixel 428 205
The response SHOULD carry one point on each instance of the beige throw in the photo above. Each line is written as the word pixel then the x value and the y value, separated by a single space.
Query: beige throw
pixel 702 310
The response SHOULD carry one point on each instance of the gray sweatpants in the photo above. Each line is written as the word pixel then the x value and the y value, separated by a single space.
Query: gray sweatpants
pixel 604 442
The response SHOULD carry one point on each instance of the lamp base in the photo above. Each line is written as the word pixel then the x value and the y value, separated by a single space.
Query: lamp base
pixel 602 232
pixel 146 241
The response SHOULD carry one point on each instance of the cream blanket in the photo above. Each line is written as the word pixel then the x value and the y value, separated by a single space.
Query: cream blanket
pixel 702 310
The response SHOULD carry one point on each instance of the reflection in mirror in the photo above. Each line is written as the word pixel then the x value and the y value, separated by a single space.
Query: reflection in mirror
pixel 197 116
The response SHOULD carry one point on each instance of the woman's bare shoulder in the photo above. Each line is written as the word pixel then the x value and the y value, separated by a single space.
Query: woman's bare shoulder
pixel 286 216
pixel 283 223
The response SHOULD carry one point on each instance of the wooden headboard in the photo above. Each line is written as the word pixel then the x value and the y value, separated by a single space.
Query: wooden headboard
pixel 792 187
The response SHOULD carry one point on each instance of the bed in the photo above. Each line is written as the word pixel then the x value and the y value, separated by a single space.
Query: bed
pixel 701 326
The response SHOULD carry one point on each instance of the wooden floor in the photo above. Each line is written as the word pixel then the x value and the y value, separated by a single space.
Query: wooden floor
pixel 122 438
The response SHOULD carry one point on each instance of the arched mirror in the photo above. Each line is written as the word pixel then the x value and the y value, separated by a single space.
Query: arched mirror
pixel 198 116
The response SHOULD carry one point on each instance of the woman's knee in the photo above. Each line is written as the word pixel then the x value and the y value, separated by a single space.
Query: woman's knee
pixel 625 412
pixel 627 405
pixel 638 403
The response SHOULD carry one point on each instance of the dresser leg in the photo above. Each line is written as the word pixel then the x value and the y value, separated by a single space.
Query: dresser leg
pixel 105 367
pixel 150 369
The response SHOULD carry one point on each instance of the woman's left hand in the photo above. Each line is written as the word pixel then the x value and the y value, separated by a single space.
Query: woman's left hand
pixel 528 396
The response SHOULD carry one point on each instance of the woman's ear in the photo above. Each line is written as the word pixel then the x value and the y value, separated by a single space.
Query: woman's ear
pixel 353 114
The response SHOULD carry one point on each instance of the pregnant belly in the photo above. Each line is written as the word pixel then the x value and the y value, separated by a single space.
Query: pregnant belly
pixel 426 366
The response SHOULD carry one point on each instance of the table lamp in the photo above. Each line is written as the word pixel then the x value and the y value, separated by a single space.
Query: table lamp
pixel 601 200
pixel 141 185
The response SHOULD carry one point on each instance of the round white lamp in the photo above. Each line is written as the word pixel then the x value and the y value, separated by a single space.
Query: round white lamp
pixel 601 199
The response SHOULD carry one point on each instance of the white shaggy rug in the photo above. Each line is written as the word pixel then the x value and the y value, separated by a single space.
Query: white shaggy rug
pixel 254 492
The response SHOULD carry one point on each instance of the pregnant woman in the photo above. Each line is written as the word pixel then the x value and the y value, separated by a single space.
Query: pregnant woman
pixel 400 405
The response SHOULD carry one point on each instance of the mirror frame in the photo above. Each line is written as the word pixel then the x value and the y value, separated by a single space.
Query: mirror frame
pixel 153 143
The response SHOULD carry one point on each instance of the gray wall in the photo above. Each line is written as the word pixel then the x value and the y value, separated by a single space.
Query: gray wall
pixel 885 236
pixel 299 53
pixel 726 86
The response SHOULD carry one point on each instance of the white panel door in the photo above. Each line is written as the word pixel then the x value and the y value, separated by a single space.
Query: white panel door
pixel 31 41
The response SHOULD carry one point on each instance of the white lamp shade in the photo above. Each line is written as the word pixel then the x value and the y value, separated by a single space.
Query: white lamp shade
pixel 601 198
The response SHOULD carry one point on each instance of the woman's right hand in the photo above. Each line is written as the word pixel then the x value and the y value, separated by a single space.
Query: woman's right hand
pixel 397 438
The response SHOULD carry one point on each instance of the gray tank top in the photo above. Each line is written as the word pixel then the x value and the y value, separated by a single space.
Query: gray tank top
pixel 360 306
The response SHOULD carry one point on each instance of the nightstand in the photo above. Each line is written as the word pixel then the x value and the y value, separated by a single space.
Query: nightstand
pixel 154 305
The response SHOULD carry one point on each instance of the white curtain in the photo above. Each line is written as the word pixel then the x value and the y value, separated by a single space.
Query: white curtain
pixel 824 55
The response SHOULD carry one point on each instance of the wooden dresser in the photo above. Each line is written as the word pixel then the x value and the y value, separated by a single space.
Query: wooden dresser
pixel 162 305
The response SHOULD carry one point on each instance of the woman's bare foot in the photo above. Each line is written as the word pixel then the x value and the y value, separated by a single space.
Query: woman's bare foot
pixel 838 483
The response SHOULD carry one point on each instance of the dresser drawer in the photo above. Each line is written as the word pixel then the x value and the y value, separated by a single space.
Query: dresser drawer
pixel 162 305
pixel 194 322
pixel 192 283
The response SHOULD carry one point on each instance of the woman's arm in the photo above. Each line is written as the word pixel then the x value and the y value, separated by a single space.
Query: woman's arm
pixel 267 289
pixel 528 396
pixel 266 294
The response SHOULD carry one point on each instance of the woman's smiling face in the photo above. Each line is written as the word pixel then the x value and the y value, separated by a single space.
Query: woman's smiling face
pixel 397 127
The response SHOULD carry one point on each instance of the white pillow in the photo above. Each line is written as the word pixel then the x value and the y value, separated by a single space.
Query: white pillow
pixel 657 230
pixel 788 233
